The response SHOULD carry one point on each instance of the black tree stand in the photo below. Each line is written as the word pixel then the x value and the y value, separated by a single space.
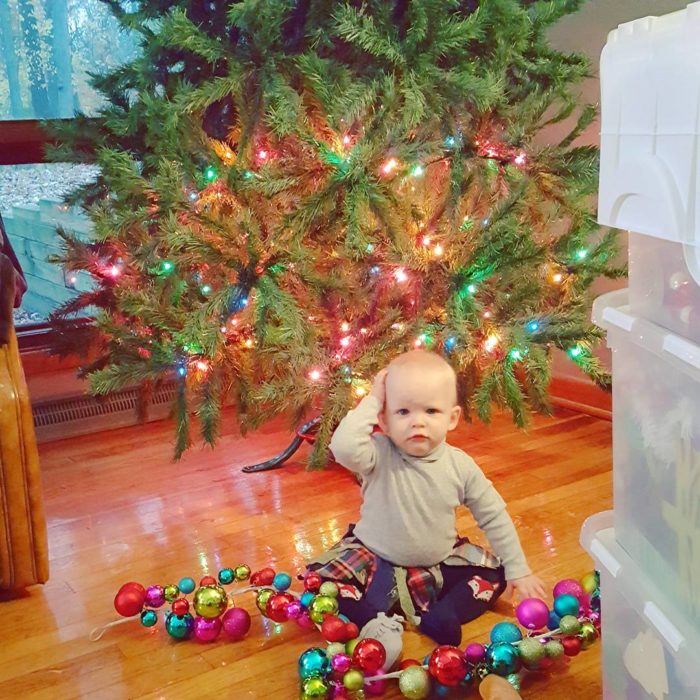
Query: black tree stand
pixel 304 434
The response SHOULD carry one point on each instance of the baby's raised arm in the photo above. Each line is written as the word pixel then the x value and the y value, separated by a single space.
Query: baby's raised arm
pixel 352 444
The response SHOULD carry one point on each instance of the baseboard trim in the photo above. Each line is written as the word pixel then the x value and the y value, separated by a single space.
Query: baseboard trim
pixel 582 396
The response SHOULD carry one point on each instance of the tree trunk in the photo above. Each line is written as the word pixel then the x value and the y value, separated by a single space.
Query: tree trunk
pixel 8 49
pixel 32 44
pixel 62 79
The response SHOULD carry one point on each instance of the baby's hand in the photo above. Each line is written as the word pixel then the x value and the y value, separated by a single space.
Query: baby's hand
pixel 379 386
pixel 527 587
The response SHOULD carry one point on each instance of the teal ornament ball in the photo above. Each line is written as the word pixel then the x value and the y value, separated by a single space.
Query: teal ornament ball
pixel 149 618
pixel 502 658
pixel 282 581
pixel 506 632
pixel 566 604
pixel 306 598
pixel 313 662
pixel 186 585
pixel 226 576
pixel 179 626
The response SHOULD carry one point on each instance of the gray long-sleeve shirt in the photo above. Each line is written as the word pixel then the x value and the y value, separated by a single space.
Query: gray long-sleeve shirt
pixel 408 503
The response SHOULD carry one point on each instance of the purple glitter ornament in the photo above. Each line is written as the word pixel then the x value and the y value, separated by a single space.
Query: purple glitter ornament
pixel 155 596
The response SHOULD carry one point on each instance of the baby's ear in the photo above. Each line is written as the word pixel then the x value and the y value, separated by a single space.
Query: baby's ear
pixel 381 419
pixel 454 417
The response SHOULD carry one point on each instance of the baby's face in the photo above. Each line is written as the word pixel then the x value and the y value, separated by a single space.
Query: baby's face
pixel 419 409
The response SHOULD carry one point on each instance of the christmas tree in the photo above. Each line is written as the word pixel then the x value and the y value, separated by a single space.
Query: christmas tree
pixel 294 191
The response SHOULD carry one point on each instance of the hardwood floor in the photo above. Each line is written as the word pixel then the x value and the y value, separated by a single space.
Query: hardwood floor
pixel 120 510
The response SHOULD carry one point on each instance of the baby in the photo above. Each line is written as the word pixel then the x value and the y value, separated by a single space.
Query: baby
pixel 404 552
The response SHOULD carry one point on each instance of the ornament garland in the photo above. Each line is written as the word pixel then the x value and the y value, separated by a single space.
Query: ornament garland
pixel 350 667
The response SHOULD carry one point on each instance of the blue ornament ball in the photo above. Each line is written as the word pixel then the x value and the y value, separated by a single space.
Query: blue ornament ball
pixel 566 604
pixel 179 626
pixel 502 658
pixel 441 690
pixel 186 585
pixel 282 581
pixel 506 632
pixel 306 598
pixel 314 662
pixel 226 576
pixel 553 621
pixel 149 618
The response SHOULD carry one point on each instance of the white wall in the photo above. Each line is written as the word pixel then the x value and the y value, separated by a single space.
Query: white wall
pixel 586 32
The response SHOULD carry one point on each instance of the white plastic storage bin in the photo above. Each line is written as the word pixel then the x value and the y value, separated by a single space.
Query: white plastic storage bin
pixel 650 161
pixel 662 284
pixel 650 652
pixel 656 449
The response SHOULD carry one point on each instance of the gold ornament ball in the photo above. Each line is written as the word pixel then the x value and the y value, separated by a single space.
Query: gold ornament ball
pixel 588 634
pixel 414 683
pixel 353 680
pixel 210 601
pixel 242 572
pixel 320 606
pixel 329 588
pixel 171 592
pixel 264 594
pixel 589 582
pixel 553 649
pixel 569 625
pixel 314 687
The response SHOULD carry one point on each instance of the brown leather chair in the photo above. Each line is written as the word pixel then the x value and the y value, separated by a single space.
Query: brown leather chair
pixel 23 545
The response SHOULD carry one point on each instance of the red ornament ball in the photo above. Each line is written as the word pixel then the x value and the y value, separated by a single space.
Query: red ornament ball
pixel 334 629
pixel 572 645
pixel 408 662
pixel 264 577
pixel 208 581
pixel 447 665
pixel 369 655
pixel 130 599
pixel 352 631
pixel 276 608
pixel 180 606
pixel 312 581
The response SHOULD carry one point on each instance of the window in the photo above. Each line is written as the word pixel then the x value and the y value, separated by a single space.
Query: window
pixel 48 48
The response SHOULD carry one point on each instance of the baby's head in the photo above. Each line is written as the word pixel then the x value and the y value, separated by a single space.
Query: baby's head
pixel 420 407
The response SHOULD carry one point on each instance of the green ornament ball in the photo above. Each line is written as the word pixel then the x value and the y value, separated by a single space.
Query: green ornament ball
pixel 322 605
pixel 588 634
pixel 264 594
pixel 242 572
pixel 553 649
pixel 514 680
pixel 335 648
pixel 353 680
pixel 314 687
pixel 569 625
pixel 226 576
pixel 210 601
pixel 329 588
pixel 350 646
pixel 171 592
pixel 414 683
pixel 531 652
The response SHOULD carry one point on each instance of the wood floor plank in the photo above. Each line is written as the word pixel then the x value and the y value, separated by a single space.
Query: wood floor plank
pixel 120 509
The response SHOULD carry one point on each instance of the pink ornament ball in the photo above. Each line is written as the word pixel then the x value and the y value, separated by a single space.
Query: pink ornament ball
pixel 532 613
pixel 475 653
pixel 206 629
pixel 341 663
pixel 305 622
pixel 570 586
pixel 236 623
pixel 294 609
pixel 155 596
pixel 376 687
